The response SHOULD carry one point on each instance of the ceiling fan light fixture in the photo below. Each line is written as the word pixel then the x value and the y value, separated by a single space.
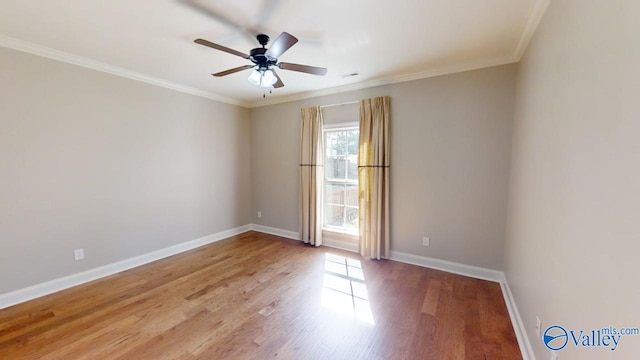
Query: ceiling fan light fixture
pixel 268 79
pixel 263 78
pixel 255 77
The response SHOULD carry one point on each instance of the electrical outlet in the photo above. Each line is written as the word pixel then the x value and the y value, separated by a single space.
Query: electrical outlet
pixel 538 326
pixel 259 214
pixel 425 241
pixel 78 254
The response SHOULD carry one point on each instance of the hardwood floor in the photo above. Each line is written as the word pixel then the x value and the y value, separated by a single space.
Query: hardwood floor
pixel 258 296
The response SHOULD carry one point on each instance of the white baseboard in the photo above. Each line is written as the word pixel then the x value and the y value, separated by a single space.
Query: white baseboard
pixel 49 287
pixel 448 266
pixel 275 231
pixel 342 241
pixel 479 273
pixel 329 242
pixel 340 244
pixel 516 321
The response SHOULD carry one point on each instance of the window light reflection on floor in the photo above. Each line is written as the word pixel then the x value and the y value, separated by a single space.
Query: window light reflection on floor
pixel 344 289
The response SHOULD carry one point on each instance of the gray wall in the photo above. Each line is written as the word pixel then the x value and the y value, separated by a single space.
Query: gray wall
pixel 574 205
pixel 114 166
pixel 451 145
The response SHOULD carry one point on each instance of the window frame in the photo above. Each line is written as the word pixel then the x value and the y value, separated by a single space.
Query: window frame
pixel 327 128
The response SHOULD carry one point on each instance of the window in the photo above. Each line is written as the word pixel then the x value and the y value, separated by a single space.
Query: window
pixel 341 178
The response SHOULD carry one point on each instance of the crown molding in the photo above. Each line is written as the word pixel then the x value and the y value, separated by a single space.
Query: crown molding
pixel 39 50
pixel 445 70
pixel 537 12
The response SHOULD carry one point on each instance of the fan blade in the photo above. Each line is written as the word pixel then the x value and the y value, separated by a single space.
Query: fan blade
pixel 231 71
pixel 302 68
pixel 282 44
pixel 207 10
pixel 266 11
pixel 278 83
pixel 221 48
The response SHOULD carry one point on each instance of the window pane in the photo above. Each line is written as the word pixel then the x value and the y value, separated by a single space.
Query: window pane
pixel 335 194
pixel 336 143
pixel 334 167
pixel 351 222
pixel 352 195
pixel 335 215
pixel 329 167
pixel 352 172
pixel 352 137
pixel 341 167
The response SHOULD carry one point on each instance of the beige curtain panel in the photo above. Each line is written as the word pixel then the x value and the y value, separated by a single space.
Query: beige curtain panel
pixel 373 177
pixel 311 176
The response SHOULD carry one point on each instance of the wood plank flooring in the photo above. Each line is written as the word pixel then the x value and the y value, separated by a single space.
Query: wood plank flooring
pixel 258 296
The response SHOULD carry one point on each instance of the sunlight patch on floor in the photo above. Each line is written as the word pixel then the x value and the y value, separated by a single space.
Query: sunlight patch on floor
pixel 344 289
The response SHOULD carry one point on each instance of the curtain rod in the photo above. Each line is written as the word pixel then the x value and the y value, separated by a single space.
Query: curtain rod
pixel 340 104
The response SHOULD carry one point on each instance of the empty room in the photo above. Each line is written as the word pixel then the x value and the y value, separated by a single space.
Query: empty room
pixel 257 179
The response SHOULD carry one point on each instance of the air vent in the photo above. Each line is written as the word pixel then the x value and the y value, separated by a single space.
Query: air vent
pixel 349 75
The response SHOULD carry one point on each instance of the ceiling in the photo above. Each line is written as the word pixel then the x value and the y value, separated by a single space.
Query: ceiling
pixel 382 41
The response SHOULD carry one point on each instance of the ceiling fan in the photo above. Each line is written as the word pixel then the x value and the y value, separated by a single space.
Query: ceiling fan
pixel 265 60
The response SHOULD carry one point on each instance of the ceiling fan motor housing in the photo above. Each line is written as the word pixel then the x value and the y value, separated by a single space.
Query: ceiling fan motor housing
pixel 259 58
